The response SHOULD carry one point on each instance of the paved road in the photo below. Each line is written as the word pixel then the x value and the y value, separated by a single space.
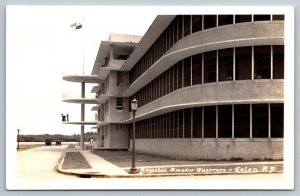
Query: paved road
pixel 40 163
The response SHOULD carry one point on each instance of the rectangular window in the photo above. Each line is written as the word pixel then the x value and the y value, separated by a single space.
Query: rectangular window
pixel 243 63
pixel 171 125
pixel 175 76
pixel 180 120
pixel 197 69
pixel 242 18
pixel 210 122
pixel 175 29
pixel 197 122
pixel 196 23
pixel 262 17
pixel 262 62
pixel 180 26
pixel 225 121
pixel 210 21
pixel 168 80
pixel 278 17
pixel 210 61
pixel 171 73
pixel 167 39
pixel 187 71
pixel 277 123
pixel 119 105
pixel 187 123
pixel 171 35
pixel 225 19
pixel 242 121
pixel 119 126
pixel 260 121
pixel 120 81
pixel 187 25
pixel 225 64
pixel 278 62
pixel 180 74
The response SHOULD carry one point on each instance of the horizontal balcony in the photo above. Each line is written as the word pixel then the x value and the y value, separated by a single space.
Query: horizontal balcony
pixel 73 97
pixel 228 36
pixel 81 122
pixel 113 64
pixel 102 98
pixel 219 93
pixel 83 78
pixel 103 123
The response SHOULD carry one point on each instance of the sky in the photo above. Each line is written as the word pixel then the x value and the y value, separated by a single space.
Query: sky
pixel 41 47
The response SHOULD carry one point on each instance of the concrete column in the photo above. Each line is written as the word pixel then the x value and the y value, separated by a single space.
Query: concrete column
pixel 82 117
pixel 98 138
pixel 111 52
pixel 250 120
pixel 269 120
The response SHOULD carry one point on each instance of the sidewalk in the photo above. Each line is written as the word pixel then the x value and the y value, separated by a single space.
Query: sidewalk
pixel 117 163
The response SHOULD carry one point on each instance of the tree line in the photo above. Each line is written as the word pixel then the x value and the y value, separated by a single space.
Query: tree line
pixel 57 137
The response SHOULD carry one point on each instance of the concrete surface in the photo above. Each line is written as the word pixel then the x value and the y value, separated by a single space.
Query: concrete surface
pixel 40 163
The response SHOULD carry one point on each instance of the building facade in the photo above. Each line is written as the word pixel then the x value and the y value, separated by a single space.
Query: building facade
pixel 208 87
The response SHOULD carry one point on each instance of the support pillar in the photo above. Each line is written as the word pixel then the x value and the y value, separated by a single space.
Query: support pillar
pixel 82 117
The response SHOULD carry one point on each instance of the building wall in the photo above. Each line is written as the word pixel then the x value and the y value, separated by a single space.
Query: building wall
pixel 106 136
pixel 119 138
pixel 117 90
pixel 118 115
pixel 213 149
pixel 107 111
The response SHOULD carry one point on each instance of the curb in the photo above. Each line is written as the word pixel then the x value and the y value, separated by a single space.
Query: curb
pixel 78 174
pixel 183 171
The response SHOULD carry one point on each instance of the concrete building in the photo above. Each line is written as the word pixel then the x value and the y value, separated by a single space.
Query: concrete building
pixel 208 87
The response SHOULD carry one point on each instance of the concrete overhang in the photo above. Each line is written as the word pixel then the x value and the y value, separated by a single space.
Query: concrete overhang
pixel 83 78
pixel 81 122
pixel 102 123
pixel 154 31
pixel 102 99
pixel 82 100
pixel 95 89
pixel 218 93
pixel 96 108
pixel 236 35
pixel 104 50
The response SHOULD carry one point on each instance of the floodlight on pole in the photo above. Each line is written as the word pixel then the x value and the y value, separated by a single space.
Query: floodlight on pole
pixel 77 26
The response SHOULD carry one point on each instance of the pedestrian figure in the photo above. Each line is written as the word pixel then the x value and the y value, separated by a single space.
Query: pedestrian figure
pixel 67 117
pixel 91 144
pixel 96 117
pixel 63 117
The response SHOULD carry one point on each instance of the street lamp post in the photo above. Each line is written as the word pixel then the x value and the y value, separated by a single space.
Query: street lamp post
pixel 134 104
pixel 18 139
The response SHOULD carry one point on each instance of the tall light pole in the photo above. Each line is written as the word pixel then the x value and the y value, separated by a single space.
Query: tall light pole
pixel 18 139
pixel 77 26
pixel 134 104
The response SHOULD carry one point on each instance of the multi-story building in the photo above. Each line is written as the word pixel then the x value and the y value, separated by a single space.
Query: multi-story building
pixel 208 87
